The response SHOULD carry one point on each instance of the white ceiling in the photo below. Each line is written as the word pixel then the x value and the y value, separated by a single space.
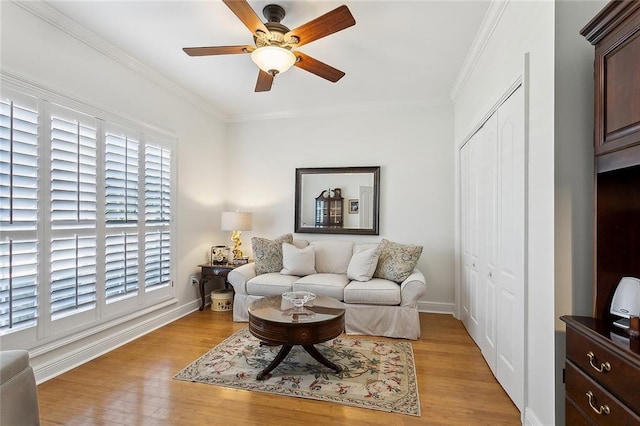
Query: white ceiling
pixel 398 53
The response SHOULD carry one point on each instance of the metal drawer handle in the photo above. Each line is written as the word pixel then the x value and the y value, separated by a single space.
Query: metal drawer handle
pixel 604 409
pixel 604 367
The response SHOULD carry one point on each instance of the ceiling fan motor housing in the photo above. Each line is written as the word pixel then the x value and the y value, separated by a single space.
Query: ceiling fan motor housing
pixel 273 12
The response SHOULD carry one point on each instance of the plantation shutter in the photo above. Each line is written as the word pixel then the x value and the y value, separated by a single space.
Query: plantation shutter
pixel 157 259
pixel 121 174
pixel 121 266
pixel 19 164
pixel 157 187
pixel 75 186
pixel 18 284
pixel 73 275
pixel 73 213
pixel 73 172
pixel 157 249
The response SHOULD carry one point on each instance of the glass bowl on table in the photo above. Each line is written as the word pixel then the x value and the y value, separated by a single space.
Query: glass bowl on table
pixel 298 299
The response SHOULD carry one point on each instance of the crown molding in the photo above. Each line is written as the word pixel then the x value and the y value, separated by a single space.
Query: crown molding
pixel 487 27
pixel 60 21
pixel 342 109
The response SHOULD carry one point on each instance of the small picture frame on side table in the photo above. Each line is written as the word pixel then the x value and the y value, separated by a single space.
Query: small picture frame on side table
pixel 219 254
pixel 354 205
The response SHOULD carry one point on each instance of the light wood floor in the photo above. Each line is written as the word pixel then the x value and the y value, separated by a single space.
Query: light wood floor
pixel 133 385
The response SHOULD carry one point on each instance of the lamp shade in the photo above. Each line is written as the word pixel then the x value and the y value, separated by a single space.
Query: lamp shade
pixel 273 59
pixel 236 221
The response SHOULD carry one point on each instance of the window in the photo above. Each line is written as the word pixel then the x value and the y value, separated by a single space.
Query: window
pixel 73 212
pixel 19 170
pixel 73 169
pixel 85 215
pixel 157 191
pixel 18 284
pixel 121 258
pixel 121 174
pixel 73 275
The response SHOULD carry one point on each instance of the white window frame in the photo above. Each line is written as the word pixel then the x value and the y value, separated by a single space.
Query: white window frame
pixel 69 328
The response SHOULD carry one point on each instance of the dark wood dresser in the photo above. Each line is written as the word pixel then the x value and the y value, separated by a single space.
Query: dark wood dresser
pixel 602 374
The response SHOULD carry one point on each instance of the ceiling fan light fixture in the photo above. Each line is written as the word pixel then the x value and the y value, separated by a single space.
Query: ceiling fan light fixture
pixel 273 59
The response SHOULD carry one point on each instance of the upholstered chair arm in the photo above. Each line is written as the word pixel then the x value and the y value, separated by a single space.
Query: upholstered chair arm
pixel 18 392
pixel 412 288
pixel 238 277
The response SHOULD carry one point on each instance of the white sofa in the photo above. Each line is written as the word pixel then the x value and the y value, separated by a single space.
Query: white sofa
pixel 376 306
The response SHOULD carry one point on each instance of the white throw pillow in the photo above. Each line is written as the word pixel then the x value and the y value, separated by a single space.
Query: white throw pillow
pixel 363 263
pixel 298 261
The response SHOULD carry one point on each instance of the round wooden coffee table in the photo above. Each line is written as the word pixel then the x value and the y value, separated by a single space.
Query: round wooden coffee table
pixel 269 322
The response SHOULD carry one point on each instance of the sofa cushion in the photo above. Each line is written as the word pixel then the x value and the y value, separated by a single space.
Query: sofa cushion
pixel 332 256
pixel 376 291
pixel 268 253
pixel 329 285
pixel 298 261
pixel 271 284
pixel 397 261
pixel 363 262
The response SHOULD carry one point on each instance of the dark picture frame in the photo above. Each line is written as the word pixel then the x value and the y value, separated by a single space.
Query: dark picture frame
pixel 310 182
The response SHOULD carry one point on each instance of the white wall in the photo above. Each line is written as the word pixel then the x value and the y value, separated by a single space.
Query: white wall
pixel 526 27
pixel 41 53
pixel 574 170
pixel 413 149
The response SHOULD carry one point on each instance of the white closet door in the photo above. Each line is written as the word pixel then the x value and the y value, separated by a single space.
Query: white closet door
pixel 470 199
pixel 489 238
pixel 511 302
pixel 492 178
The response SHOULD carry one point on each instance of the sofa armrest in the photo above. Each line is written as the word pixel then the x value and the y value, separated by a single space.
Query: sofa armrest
pixel 238 277
pixel 412 288
pixel 18 392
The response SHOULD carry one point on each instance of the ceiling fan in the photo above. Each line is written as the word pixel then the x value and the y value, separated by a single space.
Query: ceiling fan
pixel 274 43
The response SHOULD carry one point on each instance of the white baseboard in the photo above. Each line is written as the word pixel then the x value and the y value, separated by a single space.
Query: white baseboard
pixel 436 307
pixel 66 359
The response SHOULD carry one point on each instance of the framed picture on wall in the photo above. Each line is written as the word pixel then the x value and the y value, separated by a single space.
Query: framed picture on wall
pixel 353 206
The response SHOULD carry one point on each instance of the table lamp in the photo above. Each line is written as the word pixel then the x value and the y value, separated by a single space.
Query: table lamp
pixel 236 222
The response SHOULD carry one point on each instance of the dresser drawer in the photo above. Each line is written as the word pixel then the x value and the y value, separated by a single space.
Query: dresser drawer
pixel 573 416
pixel 594 401
pixel 618 375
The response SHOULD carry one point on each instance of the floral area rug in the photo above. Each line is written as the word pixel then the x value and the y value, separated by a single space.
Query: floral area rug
pixel 379 375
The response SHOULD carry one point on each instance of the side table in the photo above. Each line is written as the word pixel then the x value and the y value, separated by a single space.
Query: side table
pixel 212 271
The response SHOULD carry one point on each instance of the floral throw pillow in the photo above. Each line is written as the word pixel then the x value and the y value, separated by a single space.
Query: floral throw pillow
pixel 267 254
pixel 396 261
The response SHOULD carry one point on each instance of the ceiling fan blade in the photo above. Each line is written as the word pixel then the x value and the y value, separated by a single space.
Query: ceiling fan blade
pixel 265 80
pixel 217 50
pixel 318 68
pixel 331 22
pixel 247 15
